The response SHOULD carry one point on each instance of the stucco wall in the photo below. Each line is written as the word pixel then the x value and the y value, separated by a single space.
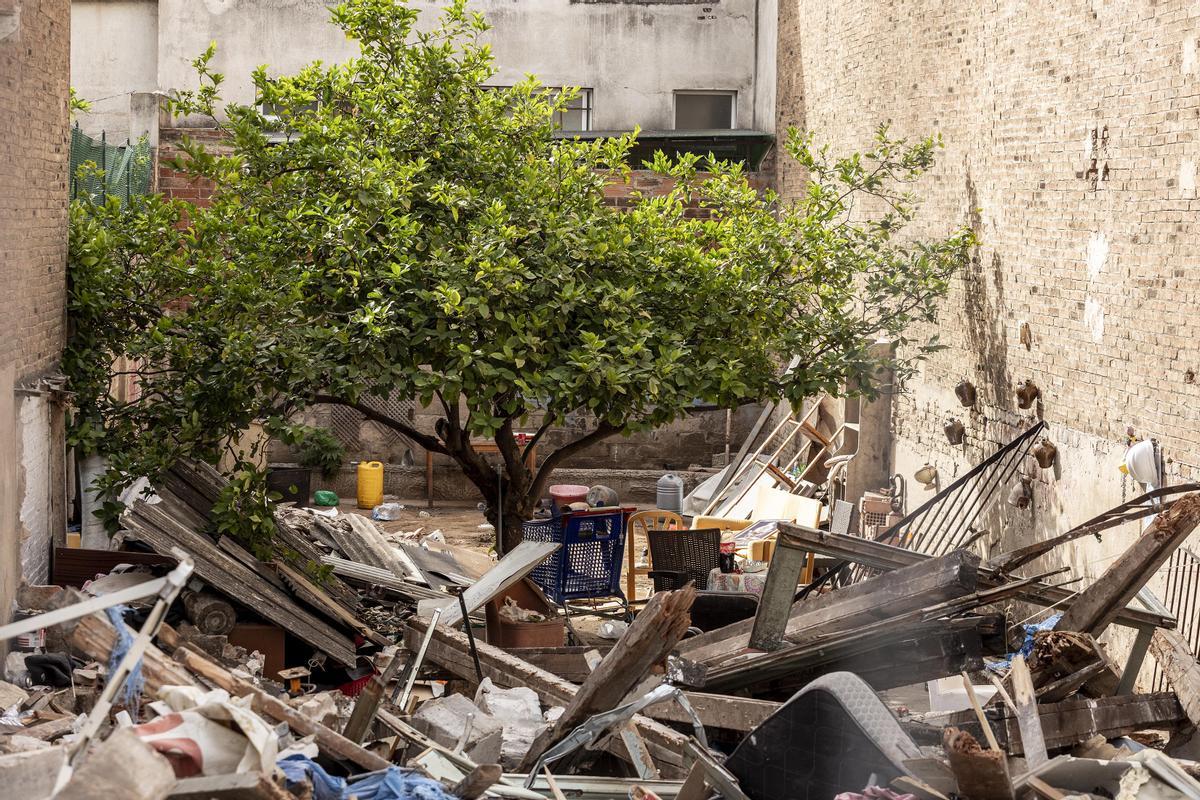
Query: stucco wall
pixel 34 52
pixel 633 54
pixel 114 52
pixel 1071 147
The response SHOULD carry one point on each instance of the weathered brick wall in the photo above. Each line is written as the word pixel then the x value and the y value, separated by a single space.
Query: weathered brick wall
pixel 1071 145
pixel 34 69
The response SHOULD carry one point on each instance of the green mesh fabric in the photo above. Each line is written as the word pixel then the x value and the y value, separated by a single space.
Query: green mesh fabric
pixel 99 168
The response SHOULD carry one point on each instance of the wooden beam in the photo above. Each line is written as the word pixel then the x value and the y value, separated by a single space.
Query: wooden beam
pixel 477 781
pixel 653 634
pixel 889 557
pixel 155 526
pixel 884 658
pixel 918 586
pixel 774 607
pixel 1097 606
pixel 235 786
pixel 1078 719
pixel 1179 664
pixel 449 649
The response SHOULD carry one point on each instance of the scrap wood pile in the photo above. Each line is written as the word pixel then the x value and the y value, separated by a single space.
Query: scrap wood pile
pixel 384 693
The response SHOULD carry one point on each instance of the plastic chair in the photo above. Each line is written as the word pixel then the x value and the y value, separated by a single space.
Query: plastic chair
pixel 683 556
pixel 641 523
pixel 690 556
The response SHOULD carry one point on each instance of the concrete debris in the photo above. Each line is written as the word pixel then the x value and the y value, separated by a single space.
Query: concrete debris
pixel 457 723
pixel 121 766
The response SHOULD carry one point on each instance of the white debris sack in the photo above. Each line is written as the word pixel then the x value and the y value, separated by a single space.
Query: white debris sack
pixel 210 733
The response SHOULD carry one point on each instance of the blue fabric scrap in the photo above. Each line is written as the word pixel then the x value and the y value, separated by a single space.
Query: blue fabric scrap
pixel 1003 664
pixel 394 783
pixel 131 692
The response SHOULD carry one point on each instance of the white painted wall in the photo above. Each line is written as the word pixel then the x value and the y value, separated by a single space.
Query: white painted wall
pixel 633 54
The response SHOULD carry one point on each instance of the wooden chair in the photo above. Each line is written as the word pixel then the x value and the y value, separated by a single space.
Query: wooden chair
pixel 639 525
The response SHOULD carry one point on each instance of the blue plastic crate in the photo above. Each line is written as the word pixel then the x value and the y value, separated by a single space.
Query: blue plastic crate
pixel 589 562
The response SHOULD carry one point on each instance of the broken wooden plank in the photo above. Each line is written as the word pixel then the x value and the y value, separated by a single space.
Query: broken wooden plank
pixel 316 598
pixel 449 649
pixel 653 634
pixel 1179 664
pixel 878 555
pixel 231 577
pixel 330 742
pixel 477 781
pixel 1097 606
pixel 918 586
pixel 739 714
pixel 95 637
pixel 1028 720
pixel 515 565
pixel 1066 686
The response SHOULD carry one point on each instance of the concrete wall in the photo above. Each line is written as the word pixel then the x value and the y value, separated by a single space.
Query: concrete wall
pixel 34 59
pixel 633 54
pixel 1071 146
pixel 114 52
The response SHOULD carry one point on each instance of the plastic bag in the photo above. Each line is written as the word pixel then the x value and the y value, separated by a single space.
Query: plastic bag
pixel 512 613
pixel 387 512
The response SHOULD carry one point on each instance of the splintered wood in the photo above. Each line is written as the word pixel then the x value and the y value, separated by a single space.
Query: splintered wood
pixel 981 774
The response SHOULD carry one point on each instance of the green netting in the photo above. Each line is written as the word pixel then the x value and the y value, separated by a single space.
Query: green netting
pixel 99 168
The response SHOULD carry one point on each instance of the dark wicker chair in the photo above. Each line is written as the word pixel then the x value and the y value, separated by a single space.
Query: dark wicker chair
pixel 680 557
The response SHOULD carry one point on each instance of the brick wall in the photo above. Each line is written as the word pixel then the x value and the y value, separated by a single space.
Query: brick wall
pixel 1071 146
pixel 34 69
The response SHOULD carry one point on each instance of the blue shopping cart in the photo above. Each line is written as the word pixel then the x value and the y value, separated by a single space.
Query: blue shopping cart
pixel 588 565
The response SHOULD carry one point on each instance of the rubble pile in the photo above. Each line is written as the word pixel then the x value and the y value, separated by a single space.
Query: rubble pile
pixel 354 664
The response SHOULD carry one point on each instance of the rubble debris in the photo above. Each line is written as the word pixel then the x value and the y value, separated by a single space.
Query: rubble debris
pixel 121 766
pixel 455 722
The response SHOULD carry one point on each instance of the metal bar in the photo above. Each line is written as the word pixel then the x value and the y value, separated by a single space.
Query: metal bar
pixel 413 666
pixel 983 465
pixel 996 480
pixel 982 494
pixel 82 609
pixel 172 585
pixel 462 604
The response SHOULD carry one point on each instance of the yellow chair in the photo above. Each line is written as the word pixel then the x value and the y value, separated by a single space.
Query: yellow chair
pixel 639 524
pixel 724 523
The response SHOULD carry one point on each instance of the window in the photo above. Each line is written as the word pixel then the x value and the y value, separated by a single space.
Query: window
pixel 578 114
pixel 702 111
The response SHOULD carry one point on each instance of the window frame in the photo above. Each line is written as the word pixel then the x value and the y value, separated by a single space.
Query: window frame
pixel 732 94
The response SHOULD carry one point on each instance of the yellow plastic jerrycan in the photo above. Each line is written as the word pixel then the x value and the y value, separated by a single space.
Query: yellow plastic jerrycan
pixel 370 484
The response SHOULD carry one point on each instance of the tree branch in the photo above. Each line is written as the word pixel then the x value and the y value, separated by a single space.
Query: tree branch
pixel 423 439
pixel 602 432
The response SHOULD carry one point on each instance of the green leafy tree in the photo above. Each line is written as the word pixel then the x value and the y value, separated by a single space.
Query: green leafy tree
pixel 395 225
